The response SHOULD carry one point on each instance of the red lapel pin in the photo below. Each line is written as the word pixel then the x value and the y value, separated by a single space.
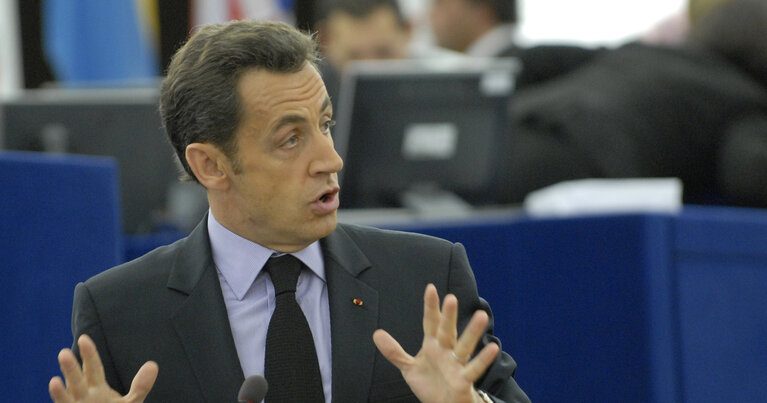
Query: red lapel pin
pixel 357 301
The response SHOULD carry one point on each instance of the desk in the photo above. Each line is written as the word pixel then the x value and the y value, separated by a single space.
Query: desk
pixel 650 308
pixel 644 307
pixel 59 224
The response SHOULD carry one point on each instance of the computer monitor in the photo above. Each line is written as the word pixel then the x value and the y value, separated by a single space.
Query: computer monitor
pixel 422 133
pixel 122 123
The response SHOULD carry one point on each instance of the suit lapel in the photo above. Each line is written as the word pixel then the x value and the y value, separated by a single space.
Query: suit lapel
pixel 353 317
pixel 202 323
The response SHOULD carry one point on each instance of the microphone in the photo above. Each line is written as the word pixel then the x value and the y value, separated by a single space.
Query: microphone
pixel 252 390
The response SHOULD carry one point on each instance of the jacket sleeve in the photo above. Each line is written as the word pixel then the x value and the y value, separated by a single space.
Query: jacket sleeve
pixel 85 320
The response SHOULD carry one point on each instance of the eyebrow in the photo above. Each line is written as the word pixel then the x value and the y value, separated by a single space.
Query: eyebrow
pixel 291 119
pixel 326 104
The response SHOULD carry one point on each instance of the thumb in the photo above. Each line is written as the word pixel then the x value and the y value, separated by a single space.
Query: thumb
pixel 391 349
pixel 143 382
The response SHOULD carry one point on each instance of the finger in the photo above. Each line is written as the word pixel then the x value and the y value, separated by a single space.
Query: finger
pixel 92 367
pixel 477 366
pixel 143 382
pixel 58 392
pixel 447 326
pixel 391 349
pixel 431 315
pixel 70 368
pixel 471 335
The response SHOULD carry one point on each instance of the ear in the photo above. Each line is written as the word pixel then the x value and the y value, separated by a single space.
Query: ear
pixel 209 165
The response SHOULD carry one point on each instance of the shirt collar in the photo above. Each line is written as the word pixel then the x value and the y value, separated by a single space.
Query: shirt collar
pixel 240 260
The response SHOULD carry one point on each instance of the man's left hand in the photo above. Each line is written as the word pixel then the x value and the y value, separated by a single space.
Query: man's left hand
pixel 443 370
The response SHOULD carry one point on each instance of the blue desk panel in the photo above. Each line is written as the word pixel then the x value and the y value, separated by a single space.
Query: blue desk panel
pixel 642 307
pixel 661 308
pixel 59 224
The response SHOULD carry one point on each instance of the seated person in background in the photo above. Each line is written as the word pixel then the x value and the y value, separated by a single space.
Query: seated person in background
pixel 673 30
pixel 362 30
pixel 350 30
pixel 358 30
pixel 697 10
pixel 645 111
pixel 479 28
pixel 249 118
pixel 486 28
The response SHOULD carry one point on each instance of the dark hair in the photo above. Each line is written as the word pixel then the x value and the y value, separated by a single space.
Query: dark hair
pixel 359 8
pixel 504 10
pixel 199 102
pixel 737 30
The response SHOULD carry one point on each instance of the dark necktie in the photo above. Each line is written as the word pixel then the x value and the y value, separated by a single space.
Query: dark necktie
pixel 291 366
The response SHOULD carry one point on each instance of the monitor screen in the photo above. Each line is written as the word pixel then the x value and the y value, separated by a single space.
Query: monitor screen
pixel 122 123
pixel 413 131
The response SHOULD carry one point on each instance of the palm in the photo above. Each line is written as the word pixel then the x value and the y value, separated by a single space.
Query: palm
pixel 434 374
pixel 88 384
pixel 436 377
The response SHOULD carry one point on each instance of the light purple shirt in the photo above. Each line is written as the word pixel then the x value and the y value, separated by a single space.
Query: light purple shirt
pixel 249 297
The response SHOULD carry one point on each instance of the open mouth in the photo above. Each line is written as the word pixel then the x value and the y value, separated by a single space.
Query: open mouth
pixel 328 196
pixel 327 202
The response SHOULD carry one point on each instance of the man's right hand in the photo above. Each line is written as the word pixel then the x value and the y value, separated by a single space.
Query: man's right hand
pixel 88 384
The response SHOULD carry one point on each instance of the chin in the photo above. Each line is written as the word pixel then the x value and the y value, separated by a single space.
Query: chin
pixel 326 225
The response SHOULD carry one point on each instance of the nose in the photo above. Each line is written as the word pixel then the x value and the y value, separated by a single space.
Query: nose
pixel 327 160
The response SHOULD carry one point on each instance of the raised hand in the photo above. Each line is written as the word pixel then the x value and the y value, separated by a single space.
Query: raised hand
pixel 88 384
pixel 443 370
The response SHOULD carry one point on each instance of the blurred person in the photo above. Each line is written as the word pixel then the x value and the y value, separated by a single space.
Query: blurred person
pixel 351 30
pixel 362 30
pixel 647 111
pixel 670 31
pixel 480 28
pixel 487 28
pixel 673 30
pixel 249 118
pixel 697 10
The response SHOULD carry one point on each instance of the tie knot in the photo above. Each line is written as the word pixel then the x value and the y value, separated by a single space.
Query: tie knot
pixel 284 271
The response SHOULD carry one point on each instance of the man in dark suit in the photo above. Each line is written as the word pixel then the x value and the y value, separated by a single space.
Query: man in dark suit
pixel 249 118
pixel 647 111
pixel 480 28
pixel 487 28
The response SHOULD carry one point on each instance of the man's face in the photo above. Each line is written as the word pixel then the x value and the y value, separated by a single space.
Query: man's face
pixel 285 194
pixel 451 23
pixel 376 36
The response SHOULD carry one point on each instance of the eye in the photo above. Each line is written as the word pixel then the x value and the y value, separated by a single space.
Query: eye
pixel 291 141
pixel 328 125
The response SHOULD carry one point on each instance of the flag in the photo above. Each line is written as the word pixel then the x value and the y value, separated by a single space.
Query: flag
pixel 102 42
pixel 215 11
pixel 10 50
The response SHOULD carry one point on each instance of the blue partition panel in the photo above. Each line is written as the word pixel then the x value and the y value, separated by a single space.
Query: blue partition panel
pixel 59 224
pixel 661 308
pixel 721 263
pixel 639 308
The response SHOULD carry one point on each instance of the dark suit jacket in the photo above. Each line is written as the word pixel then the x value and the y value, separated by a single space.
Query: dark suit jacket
pixel 545 62
pixel 167 306
pixel 635 111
